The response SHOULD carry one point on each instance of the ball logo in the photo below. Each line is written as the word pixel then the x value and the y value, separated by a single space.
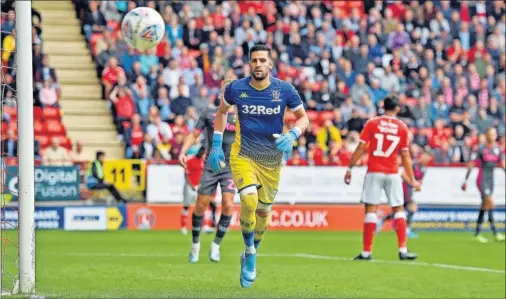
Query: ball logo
pixel 13 186
pixel 144 218
pixel 150 33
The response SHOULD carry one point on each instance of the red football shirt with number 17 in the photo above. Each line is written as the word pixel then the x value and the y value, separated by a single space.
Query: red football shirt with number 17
pixel 385 137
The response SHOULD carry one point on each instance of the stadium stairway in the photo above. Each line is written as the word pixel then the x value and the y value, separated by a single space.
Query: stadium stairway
pixel 85 115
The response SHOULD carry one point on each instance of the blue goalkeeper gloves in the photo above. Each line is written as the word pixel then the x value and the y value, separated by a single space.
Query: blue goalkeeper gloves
pixel 216 157
pixel 284 143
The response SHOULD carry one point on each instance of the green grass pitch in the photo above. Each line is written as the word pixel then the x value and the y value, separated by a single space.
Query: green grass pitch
pixel 153 264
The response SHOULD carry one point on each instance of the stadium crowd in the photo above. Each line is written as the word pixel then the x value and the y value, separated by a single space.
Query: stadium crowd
pixel 445 60
pixel 51 145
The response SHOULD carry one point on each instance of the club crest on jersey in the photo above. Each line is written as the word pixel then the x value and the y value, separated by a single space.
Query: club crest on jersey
pixel 150 33
pixel 275 96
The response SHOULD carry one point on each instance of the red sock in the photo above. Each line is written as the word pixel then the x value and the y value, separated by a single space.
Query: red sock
pixel 400 228
pixel 184 218
pixel 369 230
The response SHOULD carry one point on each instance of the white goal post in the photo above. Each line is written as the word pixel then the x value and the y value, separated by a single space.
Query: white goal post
pixel 26 199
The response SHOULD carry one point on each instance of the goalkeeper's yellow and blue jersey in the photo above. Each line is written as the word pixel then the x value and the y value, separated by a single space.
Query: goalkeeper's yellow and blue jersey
pixel 260 114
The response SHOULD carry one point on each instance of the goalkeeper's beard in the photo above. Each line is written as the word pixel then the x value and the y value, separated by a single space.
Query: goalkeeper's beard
pixel 259 78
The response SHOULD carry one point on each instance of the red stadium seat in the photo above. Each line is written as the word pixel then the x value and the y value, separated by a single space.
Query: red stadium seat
pixel 289 117
pixel 312 115
pixel 51 113
pixel 11 161
pixel 38 127
pixel 43 140
pixel 37 113
pixel 316 86
pixel 12 111
pixel 14 127
pixel 54 127
pixel 324 115
pixel 5 127
pixel 64 141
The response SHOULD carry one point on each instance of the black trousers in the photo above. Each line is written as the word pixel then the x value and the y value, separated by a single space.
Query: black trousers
pixel 111 188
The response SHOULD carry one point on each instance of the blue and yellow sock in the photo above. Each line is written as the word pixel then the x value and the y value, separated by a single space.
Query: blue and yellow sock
pixel 248 220
pixel 260 228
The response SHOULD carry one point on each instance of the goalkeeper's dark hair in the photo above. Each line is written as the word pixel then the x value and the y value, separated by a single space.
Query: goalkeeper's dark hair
pixel 260 48
pixel 390 103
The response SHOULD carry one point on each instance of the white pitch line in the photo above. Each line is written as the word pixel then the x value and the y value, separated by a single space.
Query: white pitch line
pixel 435 265
pixel 306 256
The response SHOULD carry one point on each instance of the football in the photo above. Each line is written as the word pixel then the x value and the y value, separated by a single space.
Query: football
pixel 143 28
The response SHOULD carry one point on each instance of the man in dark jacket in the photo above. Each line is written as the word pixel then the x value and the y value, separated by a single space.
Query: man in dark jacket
pixel 95 177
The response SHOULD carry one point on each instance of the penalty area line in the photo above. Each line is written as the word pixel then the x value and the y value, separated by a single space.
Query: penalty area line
pixel 300 255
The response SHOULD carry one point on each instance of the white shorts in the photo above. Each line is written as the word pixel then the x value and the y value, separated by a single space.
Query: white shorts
pixel 375 183
pixel 189 195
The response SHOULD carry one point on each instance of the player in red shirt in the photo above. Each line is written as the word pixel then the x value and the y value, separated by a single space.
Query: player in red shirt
pixel 384 137
pixel 193 172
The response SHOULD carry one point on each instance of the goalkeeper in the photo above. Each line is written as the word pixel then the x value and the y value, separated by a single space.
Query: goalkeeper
pixel 256 154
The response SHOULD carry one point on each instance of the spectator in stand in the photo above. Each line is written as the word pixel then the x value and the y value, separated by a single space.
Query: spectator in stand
pixel 77 154
pixel 422 114
pixel 163 148
pixel 147 147
pixel 46 72
pixel 367 108
pixel 323 51
pixel 462 152
pixel 95 21
pixel 327 134
pixel 406 112
pixel 159 129
pixel 359 89
pixel 124 106
pixel 133 133
pixel 56 155
pixel 296 160
pixel 483 121
pixel 444 153
pixel 180 104
pixel 172 74
pixel 10 145
pixel 339 123
pixel 440 110
pixel 377 93
pixel 176 145
pixel 495 111
pixel 356 122
pixel 110 75
pixel 181 89
pixel 144 102
pixel 9 25
pixel 347 109
pixel 48 96
pixel 389 81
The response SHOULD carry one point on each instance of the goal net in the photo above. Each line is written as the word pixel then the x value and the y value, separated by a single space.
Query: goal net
pixel 17 267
